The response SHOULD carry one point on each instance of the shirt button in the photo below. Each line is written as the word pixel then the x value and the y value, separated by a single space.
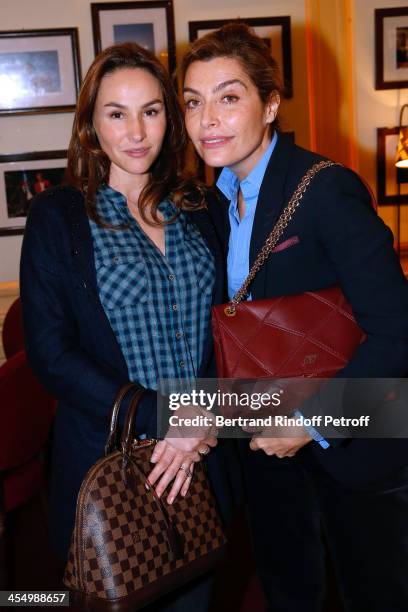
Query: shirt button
pixel 181 364
pixel 171 277
pixel 175 307
pixel 179 335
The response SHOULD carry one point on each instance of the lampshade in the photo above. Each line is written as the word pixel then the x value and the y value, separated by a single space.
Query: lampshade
pixel 401 160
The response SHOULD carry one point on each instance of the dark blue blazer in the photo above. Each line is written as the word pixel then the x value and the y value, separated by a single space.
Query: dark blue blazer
pixel 71 345
pixel 339 240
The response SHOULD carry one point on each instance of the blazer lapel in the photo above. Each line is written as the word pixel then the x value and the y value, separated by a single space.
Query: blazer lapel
pixel 272 196
pixel 82 244
pixel 271 200
pixel 84 264
pixel 203 221
pixel 218 210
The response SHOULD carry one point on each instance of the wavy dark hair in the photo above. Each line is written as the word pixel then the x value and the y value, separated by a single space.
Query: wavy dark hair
pixel 238 40
pixel 88 165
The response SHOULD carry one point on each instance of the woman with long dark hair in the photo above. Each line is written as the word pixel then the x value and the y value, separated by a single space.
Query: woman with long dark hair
pixel 357 490
pixel 118 273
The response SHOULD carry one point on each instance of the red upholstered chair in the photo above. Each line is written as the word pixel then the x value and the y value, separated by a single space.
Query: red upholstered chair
pixel 26 414
pixel 12 335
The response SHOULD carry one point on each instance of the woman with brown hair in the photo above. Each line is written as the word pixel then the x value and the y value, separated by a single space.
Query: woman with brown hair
pixel 301 486
pixel 118 273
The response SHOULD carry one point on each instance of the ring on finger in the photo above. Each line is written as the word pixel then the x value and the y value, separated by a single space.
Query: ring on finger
pixel 186 470
pixel 205 451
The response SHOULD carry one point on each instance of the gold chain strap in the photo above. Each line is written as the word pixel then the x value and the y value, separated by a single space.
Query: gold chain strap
pixel 276 233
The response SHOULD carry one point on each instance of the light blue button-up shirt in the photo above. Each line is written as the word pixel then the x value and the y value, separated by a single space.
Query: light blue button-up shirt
pixel 241 231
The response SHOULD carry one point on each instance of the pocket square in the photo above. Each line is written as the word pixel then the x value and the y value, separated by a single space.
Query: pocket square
pixel 286 244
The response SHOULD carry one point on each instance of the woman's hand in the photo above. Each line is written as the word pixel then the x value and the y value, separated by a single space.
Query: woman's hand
pixel 181 448
pixel 174 459
pixel 281 446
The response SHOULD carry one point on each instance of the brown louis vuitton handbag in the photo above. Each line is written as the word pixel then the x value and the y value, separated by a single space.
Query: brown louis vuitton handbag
pixel 128 546
pixel 312 334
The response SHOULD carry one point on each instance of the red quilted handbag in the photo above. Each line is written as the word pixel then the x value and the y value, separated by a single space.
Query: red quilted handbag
pixel 312 334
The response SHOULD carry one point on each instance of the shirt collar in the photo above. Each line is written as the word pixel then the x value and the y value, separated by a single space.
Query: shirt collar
pixel 112 206
pixel 228 182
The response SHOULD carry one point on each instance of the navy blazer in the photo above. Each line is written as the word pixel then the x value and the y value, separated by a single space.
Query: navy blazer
pixel 335 238
pixel 70 343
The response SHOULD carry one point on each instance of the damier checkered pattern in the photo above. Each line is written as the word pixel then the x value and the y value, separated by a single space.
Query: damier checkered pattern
pixel 158 306
pixel 120 542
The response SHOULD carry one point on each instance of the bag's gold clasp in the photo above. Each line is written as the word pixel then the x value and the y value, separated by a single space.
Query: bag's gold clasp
pixel 230 310
pixel 137 443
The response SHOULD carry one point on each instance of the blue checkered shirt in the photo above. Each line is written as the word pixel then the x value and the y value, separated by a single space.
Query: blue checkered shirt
pixel 158 306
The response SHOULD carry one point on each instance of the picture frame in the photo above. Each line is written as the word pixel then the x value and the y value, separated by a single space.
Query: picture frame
pixel 276 31
pixel 392 182
pixel 22 176
pixel 391 48
pixel 148 23
pixel 39 71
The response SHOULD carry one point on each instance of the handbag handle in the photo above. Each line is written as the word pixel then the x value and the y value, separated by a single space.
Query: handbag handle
pixel 126 440
pixel 276 233
pixel 129 465
pixel 111 441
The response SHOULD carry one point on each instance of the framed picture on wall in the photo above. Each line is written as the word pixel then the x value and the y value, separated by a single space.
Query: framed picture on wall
pixel 39 71
pixel 150 24
pixel 391 48
pixel 274 30
pixel 392 182
pixel 22 176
